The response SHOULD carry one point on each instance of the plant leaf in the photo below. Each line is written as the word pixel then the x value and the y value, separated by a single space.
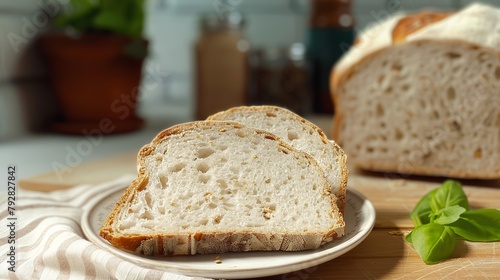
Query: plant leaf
pixel 448 215
pixel 481 225
pixel 117 16
pixel 421 212
pixel 77 15
pixel 110 20
pixel 433 242
pixel 408 237
pixel 449 194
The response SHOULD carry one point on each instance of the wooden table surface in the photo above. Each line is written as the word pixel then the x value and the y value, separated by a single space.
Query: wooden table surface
pixel 383 254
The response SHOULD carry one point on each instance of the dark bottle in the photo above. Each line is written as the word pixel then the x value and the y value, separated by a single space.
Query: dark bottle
pixel 330 34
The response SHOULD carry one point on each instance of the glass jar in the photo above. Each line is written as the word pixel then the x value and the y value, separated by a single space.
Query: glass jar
pixel 221 55
pixel 281 78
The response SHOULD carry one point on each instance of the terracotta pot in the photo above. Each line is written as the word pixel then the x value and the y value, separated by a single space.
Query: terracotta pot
pixel 93 79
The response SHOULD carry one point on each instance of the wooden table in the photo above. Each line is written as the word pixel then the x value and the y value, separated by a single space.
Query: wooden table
pixel 384 254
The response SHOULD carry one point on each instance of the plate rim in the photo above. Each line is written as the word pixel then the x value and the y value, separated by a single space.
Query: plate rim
pixel 321 256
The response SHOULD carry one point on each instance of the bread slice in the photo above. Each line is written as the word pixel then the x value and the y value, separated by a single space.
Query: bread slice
pixel 419 94
pixel 300 134
pixel 213 187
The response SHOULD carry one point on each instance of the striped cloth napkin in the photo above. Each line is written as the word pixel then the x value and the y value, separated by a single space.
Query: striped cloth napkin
pixel 50 243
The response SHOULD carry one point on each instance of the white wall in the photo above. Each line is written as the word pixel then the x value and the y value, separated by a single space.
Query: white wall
pixel 26 103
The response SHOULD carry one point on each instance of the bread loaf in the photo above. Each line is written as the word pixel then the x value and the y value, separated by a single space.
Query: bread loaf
pixel 419 94
pixel 213 187
pixel 300 134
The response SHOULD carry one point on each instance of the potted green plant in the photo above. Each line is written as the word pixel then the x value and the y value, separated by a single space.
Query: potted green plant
pixel 95 64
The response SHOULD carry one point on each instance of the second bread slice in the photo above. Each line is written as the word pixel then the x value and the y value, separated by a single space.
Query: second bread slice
pixel 300 134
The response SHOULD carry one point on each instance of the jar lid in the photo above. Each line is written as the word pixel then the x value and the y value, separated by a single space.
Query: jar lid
pixel 213 22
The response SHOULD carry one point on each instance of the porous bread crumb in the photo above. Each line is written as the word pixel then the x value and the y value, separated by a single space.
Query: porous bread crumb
pixel 398 232
pixel 217 260
pixel 225 197
pixel 427 105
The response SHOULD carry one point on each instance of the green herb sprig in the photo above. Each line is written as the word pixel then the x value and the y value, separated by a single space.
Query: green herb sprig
pixel 442 216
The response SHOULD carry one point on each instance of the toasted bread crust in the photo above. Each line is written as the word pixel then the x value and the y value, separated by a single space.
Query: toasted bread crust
pixel 412 23
pixel 217 241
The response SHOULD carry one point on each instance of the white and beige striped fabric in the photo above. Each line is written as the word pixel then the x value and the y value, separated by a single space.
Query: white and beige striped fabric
pixel 50 243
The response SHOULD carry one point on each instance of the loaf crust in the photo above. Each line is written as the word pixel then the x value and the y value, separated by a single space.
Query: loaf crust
pixel 214 242
pixel 412 23
pixel 463 30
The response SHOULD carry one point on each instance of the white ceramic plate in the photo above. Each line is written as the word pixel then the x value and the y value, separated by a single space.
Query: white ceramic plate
pixel 359 218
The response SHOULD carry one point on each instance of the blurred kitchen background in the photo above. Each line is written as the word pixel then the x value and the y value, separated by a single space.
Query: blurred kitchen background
pixel 271 36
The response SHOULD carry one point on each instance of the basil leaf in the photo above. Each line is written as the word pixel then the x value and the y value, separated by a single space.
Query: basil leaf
pixel 433 242
pixel 449 194
pixel 481 225
pixel 421 212
pixel 448 215
pixel 408 237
